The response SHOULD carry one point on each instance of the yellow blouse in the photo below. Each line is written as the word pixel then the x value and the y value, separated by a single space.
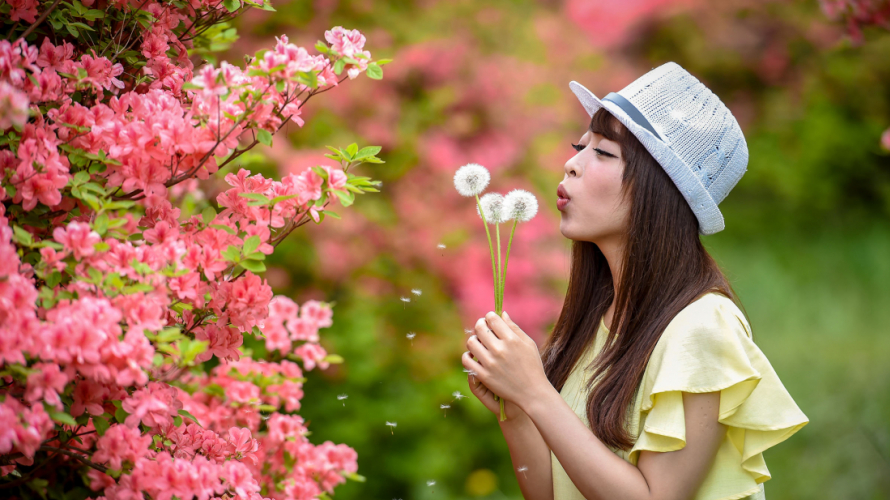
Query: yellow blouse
pixel 706 347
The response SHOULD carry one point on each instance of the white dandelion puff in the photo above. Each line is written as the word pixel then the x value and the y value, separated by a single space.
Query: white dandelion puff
pixel 416 291
pixel 522 469
pixel 441 246
pixel 430 482
pixel 492 207
pixel 457 395
pixel 468 331
pixel 391 425
pixel 410 335
pixel 404 300
pixel 520 205
pixel 471 179
pixel 341 397
pixel 444 407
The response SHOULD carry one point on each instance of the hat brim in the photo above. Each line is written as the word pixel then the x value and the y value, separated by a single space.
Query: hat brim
pixel 710 219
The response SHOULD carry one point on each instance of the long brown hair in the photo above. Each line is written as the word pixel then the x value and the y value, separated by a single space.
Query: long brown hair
pixel 666 268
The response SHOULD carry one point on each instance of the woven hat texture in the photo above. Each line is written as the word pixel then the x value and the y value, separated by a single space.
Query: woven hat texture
pixel 687 129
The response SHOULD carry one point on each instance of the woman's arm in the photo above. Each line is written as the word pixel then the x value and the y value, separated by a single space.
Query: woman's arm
pixel 600 474
pixel 528 449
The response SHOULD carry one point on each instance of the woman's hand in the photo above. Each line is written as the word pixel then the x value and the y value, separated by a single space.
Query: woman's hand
pixel 507 362
pixel 484 394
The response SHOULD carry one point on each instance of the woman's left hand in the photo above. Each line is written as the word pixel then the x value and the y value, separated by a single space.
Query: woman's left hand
pixel 507 360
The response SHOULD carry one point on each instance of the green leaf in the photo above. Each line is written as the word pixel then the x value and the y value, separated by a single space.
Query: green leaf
pixel 264 136
pixel 231 5
pixel 22 237
pixel 223 228
pixel 208 215
pixel 335 359
pixel 381 62
pixel 253 266
pixel 254 196
pixel 332 214
pixel 94 14
pixel 251 244
pixel 339 65
pixel 352 149
pixel 346 198
pixel 354 476
pixel 101 224
pixel 231 253
pixel 256 256
pixel 281 198
pixel 367 151
pixel 100 424
pixel 177 421
pixel 374 72
pixel 53 279
pixel 62 418
pixel 186 414
pixel 120 415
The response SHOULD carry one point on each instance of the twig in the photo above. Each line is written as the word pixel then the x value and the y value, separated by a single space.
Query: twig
pixel 39 20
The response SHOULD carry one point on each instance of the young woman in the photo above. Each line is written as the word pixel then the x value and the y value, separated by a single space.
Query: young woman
pixel 650 386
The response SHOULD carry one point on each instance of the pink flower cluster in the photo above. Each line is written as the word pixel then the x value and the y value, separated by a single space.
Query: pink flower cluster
pixel 108 293
pixel 284 326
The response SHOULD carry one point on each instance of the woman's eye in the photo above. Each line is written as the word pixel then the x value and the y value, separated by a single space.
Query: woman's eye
pixel 578 147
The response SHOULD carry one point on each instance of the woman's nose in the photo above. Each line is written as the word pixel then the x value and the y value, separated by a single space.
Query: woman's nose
pixel 570 169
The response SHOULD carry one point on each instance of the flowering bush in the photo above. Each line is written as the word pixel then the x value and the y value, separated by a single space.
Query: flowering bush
pixel 118 279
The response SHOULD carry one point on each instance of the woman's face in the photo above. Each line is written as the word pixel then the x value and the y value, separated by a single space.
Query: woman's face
pixel 596 210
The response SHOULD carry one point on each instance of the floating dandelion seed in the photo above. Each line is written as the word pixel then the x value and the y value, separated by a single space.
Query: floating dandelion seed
pixel 391 425
pixel 445 407
pixel 430 482
pixel 471 179
pixel 416 291
pixel 410 336
pixel 457 395
pixel 341 397
pixel 441 246
pixel 405 300
pixel 492 205
pixel 468 331
pixel 522 470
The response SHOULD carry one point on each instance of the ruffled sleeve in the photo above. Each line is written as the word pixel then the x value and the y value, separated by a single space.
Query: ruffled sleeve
pixel 708 347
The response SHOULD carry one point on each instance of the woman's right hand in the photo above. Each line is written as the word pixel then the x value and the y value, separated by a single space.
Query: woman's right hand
pixel 484 394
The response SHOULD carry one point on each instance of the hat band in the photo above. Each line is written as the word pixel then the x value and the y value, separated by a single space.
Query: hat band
pixel 631 111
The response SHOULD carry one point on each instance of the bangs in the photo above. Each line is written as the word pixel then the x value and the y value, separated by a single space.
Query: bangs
pixel 604 123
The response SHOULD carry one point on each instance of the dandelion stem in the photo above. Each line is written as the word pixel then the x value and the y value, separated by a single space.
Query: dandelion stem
pixel 506 260
pixel 500 291
pixel 490 249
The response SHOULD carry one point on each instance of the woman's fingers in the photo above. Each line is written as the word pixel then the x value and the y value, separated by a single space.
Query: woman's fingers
pixel 488 338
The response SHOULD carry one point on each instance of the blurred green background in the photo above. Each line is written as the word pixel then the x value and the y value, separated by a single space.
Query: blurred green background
pixel 806 244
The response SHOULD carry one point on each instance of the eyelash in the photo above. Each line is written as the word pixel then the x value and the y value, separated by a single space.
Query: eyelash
pixel 580 147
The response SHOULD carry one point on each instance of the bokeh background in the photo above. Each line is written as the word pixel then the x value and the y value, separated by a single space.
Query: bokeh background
pixel 806 245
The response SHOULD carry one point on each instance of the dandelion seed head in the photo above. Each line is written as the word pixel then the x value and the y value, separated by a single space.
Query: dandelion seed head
pixel 493 207
pixel 416 291
pixel 468 331
pixel 391 424
pixel 405 299
pixel 342 397
pixel 522 469
pixel 440 246
pixel 444 407
pixel 457 395
pixel 410 335
pixel 471 372
pixel 430 482
pixel 520 205
pixel 471 179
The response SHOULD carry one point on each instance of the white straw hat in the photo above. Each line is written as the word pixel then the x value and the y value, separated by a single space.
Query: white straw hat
pixel 687 129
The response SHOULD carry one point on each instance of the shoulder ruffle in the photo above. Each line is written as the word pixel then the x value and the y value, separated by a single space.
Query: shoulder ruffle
pixel 708 347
